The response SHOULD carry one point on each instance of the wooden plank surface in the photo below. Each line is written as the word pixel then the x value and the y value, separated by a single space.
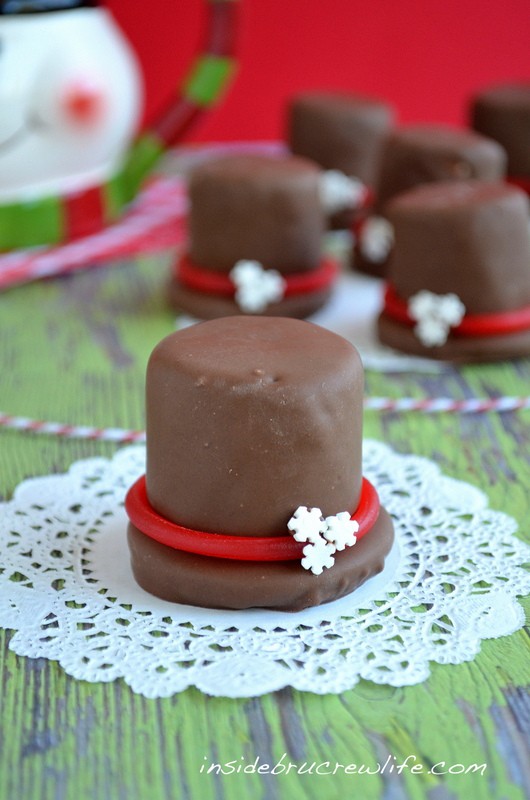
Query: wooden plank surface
pixel 74 350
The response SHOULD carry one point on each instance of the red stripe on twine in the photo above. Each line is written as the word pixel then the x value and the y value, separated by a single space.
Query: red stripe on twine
pixel 423 405
pixel 472 325
pixel 238 548
pixel 66 430
pixel 35 425
pixel 208 281
pixel 379 404
pixel 130 437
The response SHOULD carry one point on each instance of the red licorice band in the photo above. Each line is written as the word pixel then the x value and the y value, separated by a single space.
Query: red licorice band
pixel 369 198
pixel 520 182
pixel 360 221
pixel 205 280
pixel 238 548
pixel 491 324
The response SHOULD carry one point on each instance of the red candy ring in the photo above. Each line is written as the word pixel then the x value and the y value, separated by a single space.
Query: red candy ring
pixel 492 324
pixel 519 181
pixel 239 548
pixel 190 274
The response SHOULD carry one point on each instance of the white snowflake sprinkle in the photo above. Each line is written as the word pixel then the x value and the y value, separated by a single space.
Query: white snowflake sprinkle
pixel 376 238
pixel 306 524
pixel 256 287
pixel 422 305
pixel 339 191
pixel 435 315
pixel 324 536
pixel 318 556
pixel 341 530
pixel 431 332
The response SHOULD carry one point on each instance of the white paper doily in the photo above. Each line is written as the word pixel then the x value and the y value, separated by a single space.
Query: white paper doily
pixel 67 590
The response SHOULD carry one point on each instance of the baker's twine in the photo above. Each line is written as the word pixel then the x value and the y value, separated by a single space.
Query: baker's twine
pixel 433 405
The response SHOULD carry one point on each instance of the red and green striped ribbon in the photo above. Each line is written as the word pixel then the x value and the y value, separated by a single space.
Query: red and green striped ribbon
pixel 56 219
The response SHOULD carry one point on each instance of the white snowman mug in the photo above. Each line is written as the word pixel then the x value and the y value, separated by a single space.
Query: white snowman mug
pixel 71 97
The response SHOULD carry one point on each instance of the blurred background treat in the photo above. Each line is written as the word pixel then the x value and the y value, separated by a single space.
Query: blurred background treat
pixel 345 135
pixel 459 280
pixel 237 64
pixel 256 229
pixel 503 113
pixel 414 155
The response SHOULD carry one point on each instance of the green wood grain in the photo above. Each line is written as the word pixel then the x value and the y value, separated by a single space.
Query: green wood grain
pixel 74 350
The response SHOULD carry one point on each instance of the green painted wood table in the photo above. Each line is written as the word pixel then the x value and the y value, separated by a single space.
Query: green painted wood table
pixel 74 350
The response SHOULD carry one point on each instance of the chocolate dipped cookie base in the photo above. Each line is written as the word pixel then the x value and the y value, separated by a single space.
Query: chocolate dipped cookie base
pixel 196 580
pixel 343 220
pixel 375 269
pixel 458 349
pixel 208 306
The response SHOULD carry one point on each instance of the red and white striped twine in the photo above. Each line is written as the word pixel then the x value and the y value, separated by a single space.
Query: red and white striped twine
pixel 124 436
pixel 118 435
pixel 437 404
pixel 154 222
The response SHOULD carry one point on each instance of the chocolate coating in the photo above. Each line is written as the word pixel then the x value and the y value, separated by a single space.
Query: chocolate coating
pixel 256 207
pixel 503 113
pixel 284 585
pixel 470 238
pixel 250 417
pixel 419 154
pixel 339 131
pixel 463 350
pixel 253 207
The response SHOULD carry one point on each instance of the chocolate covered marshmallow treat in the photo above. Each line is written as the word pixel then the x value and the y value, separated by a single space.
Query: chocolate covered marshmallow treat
pixel 415 155
pixel 344 134
pixel 255 240
pixel 254 431
pixel 419 154
pixel 459 273
pixel 503 114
